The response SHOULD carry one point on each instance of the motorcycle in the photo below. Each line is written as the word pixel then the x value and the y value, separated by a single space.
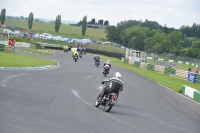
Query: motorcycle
pixel 97 63
pixel 108 101
pixel 75 58
pixel 80 55
pixel 65 50
pixel 106 70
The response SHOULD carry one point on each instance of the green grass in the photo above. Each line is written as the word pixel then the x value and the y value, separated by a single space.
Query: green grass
pixel 17 60
pixel 170 82
pixel 67 30
pixel 104 47
pixel 37 51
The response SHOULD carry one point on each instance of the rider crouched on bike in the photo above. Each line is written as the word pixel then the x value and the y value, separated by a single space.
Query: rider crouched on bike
pixel 74 53
pixel 108 64
pixel 115 85
pixel 97 59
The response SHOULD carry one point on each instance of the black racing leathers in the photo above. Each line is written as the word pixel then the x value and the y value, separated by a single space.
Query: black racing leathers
pixel 96 58
pixel 116 85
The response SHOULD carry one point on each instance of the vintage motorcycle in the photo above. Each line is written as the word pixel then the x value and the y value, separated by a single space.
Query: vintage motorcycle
pixel 97 63
pixel 80 55
pixel 106 70
pixel 108 101
pixel 75 58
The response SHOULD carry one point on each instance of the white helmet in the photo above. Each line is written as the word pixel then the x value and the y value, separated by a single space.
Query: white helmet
pixel 118 75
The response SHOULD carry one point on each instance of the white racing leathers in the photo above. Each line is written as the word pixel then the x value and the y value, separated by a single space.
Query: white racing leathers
pixel 107 67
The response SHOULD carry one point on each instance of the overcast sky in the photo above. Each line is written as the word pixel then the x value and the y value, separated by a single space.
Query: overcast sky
pixel 173 13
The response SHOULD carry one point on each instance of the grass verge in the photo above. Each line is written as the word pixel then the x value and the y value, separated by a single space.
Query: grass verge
pixel 103 47
pixel 178 65
pixel 37 51
pixel 171 82
pixel 17 60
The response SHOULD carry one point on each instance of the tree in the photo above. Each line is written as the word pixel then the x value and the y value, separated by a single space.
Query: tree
pixel 30 21
pixel 84 25
pixel 176 41
pixel 37 20
pixel 149 44
pixel 80 22
pixel 3 15
pixel 100 22
pixel 106 22
pixel 57 23
pixel 112 33
pixel 22 17
pixel 93 21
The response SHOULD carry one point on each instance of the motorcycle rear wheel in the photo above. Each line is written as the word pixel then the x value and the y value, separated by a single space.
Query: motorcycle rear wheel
pixel 108 106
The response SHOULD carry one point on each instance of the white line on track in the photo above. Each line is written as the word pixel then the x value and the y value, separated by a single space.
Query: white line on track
pixel 88 76
pixel 76 94
pixel 179 94
pixel 66 71
pixel 146 115
pixel 161 122
pixel 5 81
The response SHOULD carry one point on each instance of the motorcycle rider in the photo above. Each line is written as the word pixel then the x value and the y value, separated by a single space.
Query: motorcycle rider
pixel 81 51
pixel 97 59
pixel 74 53
pixel 116 85
pixel 107 63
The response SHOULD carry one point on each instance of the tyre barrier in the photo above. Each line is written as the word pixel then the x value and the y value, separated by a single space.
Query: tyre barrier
pixel 93 51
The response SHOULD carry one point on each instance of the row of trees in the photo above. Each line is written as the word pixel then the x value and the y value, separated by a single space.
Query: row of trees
pixel 93 21
pixel 151 37
pixel 57 22
pixel 23 18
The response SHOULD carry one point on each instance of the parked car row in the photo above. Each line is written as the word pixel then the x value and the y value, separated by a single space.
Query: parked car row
pixel 47 36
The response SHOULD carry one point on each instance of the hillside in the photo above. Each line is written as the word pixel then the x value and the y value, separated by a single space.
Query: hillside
pixel 67 30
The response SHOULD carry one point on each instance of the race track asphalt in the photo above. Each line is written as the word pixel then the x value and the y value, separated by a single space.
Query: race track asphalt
pixel 62 101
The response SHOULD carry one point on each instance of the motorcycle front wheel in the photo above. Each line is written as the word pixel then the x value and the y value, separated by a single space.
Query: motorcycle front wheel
pixel 96 102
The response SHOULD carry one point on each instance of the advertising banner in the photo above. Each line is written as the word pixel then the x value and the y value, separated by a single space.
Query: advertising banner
pixel 191 77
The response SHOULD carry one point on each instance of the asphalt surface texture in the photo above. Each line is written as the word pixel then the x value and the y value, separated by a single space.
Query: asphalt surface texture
pixel 62 101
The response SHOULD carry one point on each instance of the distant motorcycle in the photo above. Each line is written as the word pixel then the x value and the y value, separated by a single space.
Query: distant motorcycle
pixel 97 63
pixel 108 101
pixel 106 70
pixel 75 58
pixel 80 55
